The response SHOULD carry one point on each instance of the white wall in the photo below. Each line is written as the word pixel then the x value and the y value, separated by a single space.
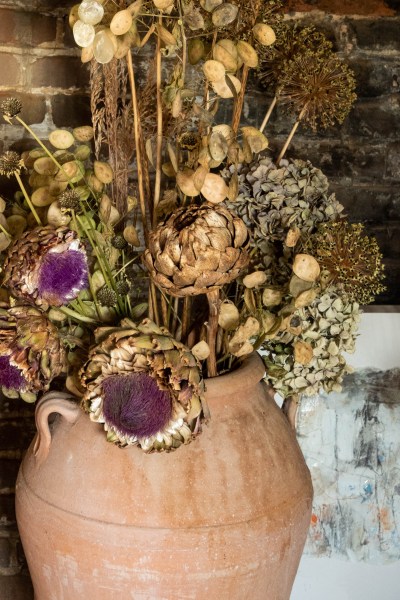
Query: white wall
pixel 330 578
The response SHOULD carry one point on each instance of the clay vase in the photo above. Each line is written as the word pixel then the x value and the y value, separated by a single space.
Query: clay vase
pixel 224 517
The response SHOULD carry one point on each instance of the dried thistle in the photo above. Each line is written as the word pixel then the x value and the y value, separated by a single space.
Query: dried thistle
pixel 350 259
pixel 10 164
pixel 319 91
pixel 107 297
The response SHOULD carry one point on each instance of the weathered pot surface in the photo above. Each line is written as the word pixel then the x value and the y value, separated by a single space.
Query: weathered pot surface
pixel 223 517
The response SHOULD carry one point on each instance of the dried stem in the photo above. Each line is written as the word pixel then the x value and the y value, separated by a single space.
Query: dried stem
pixel 157 184
pixel 212 329
pixel 269 113
pixel 185 317
pixel 136 118
pixel 238 107
pixel 291 134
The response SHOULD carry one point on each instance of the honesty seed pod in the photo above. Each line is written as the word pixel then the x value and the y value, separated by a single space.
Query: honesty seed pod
pixel 306 298
pixel 292 237
pixel 103 171
pixel 214 70
pixel 45 166
pixel 223 89
pixel 84 133
pixel 254 279
pixel 186 184
pixel 306 267
pixel 224 14
pixel 225 51
pixel 247 53
pixel 228 316
pixel 272 297
pixel 201 350
pixel 214 188
pixel 131 235
pixel 264 34
pixel 195 50
pixel 61 139
pixel 56 217
pixel 121 22
pixel 210 5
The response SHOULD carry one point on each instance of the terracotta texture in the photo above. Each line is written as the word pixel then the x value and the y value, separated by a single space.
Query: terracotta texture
pixel 225 517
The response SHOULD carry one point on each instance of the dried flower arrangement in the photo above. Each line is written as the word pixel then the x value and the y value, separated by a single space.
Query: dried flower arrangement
pixel 240 252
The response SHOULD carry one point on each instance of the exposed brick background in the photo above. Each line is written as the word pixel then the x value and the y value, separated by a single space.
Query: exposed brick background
pixel 40 64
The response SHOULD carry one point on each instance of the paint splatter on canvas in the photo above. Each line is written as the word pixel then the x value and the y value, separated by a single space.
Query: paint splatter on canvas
pixel 351 442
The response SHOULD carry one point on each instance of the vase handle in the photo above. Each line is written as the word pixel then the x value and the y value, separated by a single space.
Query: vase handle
pixel 53 402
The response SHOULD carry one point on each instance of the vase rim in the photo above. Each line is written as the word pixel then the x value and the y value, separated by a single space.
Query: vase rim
pixel 247 375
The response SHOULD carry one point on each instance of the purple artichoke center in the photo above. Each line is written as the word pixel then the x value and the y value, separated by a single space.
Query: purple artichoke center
pixel 10 376
pixel 62 276
pixel 134 404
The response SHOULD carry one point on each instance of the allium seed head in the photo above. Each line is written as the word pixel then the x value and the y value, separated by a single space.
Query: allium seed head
pixel 10 163
pixel 10 107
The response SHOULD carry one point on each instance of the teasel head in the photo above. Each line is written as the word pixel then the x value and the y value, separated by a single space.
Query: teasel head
pixel 349 260
pixel 10 163
pixel 144 386
pixel 320 92
pixel 10 107
pixel 46 266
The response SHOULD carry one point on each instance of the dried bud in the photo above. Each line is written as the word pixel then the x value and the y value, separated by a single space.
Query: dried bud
pixel 255 279
pixel 271 297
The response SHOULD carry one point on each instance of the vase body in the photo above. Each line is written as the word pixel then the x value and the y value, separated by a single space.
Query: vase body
pixel 224 517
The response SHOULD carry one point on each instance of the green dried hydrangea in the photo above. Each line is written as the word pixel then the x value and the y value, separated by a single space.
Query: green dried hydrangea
pixel 329 327
pixel 274 200
pixel 349 259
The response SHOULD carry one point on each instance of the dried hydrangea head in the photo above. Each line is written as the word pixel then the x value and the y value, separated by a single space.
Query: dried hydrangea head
pixel 10 163
pixel 349 259
pixel 31 350
pixel 319 92
pixel 144 387
pixel 310 359
pixel 47 266
pixel 69 200
pixel 291 41
pixel 10 107
pixel 274 201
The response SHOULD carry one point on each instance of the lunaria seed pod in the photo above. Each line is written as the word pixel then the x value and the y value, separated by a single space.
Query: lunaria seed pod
pixel 271 297
pixel 224 14
pixel 306 267
pixel 254 279
pixel 225 51
pixel 201 351
pixel 264 34
pixel 214 70
pixel 228 317
pixel 247 53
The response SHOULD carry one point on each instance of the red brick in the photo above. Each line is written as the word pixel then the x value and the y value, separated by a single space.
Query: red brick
pixel 346 7
pixel 33 106
pixel 7 26
pixel 60 72
pixel 71 111
pixel 10 71
pixel 19 28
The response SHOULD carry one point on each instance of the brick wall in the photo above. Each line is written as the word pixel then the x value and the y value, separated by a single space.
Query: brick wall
pixel 39 64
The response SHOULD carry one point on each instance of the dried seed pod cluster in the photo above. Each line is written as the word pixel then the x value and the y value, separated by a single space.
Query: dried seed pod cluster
pixel 104 32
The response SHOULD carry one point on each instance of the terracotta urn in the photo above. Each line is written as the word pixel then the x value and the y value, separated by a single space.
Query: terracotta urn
pixel 224 517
